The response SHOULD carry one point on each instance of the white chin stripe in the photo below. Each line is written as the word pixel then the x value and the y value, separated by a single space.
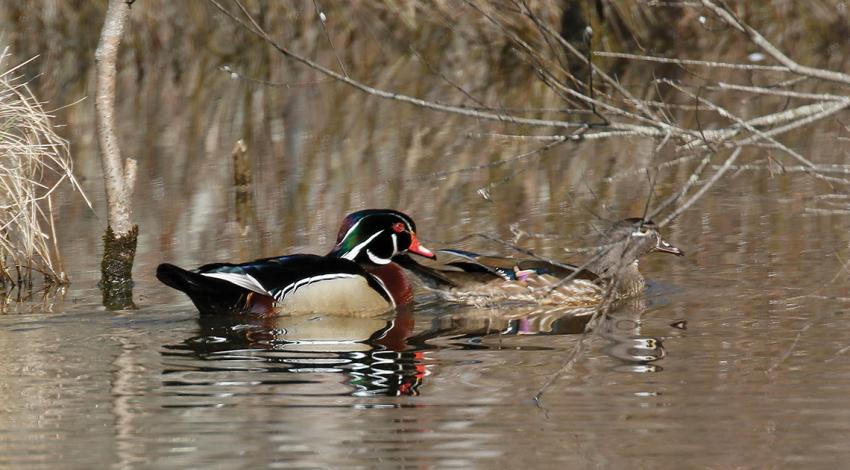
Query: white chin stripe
pixel 377 259
pixel 243 280
pixel 351 255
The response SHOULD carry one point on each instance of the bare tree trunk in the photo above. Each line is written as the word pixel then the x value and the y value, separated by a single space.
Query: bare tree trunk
pixel 119 175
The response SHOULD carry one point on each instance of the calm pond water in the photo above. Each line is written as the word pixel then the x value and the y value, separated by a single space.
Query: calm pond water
pixel 738 356
pixel 753 371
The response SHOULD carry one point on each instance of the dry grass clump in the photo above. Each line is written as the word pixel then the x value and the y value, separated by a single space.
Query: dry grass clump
pixel 34 161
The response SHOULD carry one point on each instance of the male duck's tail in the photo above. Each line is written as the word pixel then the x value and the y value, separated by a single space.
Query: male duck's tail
pixel 209 294
pixel 181 279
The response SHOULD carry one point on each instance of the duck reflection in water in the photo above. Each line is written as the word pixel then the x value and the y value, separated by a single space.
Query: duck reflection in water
pixel 385 355
pixel 476 328
pixel 372 353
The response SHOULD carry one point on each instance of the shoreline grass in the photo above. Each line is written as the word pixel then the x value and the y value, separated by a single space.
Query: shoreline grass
pixel 34 162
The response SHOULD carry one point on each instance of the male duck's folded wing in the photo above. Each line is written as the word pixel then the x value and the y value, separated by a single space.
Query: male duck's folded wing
pixel 293 284
pixel 283 276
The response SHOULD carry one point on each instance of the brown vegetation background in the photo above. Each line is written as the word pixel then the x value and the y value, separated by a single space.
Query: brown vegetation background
pixel 192 84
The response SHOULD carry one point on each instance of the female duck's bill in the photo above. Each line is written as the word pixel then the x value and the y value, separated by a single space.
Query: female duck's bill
pixel 356 278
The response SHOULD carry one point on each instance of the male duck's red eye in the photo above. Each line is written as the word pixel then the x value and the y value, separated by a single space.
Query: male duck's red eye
pixel 398 227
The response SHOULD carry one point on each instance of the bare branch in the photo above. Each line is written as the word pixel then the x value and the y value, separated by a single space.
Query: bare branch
pixel 322 20
pixel 683 62
pixel 775 92
pixel 714 179
pixel 772 50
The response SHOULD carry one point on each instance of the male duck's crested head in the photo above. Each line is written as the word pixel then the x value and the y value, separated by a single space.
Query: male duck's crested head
pixel 376 236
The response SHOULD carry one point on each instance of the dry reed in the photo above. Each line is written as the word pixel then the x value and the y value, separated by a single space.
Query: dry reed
pixel 34 161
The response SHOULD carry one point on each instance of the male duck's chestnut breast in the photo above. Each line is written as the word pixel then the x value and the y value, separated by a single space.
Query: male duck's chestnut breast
pixel 393 278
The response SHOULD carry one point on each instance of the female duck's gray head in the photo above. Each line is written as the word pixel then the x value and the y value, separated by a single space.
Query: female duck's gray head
pixel 626 242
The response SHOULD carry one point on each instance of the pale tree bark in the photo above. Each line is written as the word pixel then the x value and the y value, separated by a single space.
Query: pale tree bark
pixel 118 174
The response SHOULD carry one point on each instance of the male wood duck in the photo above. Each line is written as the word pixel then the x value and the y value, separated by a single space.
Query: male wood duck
pixel 357 277
pixel 470 278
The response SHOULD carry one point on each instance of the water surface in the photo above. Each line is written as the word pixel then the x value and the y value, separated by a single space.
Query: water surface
pixel 737 356
pixel 750 368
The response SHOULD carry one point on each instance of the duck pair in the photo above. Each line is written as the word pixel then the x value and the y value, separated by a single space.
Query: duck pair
pixel 363 275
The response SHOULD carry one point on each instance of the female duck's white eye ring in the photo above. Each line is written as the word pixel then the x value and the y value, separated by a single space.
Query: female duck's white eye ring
pixel 641 231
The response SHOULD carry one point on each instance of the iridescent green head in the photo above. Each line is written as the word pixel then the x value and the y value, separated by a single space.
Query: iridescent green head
pixel 375 236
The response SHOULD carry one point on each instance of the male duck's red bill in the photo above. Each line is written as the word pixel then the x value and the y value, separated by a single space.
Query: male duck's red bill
pixel 416 247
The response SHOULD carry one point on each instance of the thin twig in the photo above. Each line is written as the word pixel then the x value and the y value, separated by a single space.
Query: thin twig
pixel 322 20
pixel 705 187
pixel 701 63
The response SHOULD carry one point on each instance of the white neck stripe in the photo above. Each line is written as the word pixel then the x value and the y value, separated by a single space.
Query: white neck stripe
pixel 377 259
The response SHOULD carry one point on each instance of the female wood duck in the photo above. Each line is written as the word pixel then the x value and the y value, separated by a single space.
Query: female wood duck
pixel 357 277
pixel 470 278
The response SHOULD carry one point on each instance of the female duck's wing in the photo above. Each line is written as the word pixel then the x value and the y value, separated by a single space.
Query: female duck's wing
pixel 560 270
pixel 459 268
pixel 515 268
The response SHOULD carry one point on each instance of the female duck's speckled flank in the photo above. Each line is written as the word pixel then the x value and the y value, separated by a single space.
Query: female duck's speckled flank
pixel 357 277
pixel 470 278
